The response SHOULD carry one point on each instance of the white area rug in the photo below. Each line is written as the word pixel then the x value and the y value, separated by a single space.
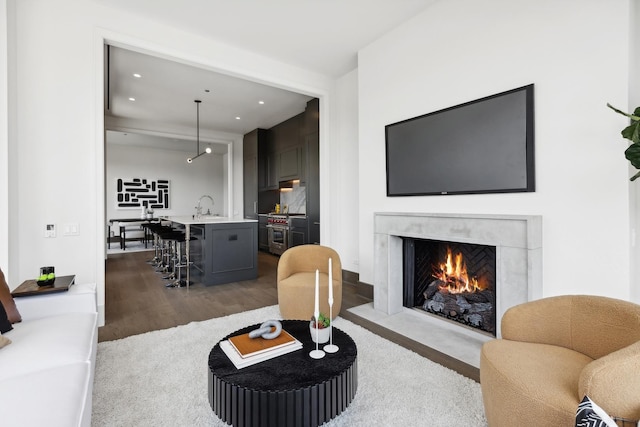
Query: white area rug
pixel 160 379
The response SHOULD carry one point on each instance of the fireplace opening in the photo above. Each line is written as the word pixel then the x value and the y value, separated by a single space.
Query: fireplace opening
pixel 452 280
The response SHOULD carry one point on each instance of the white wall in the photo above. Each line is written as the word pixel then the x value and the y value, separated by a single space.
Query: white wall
pixel 634 187
pixel 576 54
pixel 345 158
pixel 58 147
pixel 187 181
pixel 4 142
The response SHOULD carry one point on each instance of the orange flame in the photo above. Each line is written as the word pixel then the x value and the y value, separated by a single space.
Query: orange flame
pixel 454 276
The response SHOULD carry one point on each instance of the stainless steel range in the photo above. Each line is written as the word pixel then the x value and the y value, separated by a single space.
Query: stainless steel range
pixel 278 228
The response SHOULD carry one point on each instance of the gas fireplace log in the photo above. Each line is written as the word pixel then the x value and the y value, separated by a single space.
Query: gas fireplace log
pixel 452 308
pixel 434 306
pixel 474 319
pixel 482 296
pixel 483 307
pixel 432 289
pixel 462 302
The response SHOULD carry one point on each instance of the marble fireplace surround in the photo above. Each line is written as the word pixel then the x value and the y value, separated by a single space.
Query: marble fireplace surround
pixel 518 242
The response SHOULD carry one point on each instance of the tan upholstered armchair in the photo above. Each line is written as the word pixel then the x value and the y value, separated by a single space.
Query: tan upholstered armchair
pixel 297 277
pixel 556 350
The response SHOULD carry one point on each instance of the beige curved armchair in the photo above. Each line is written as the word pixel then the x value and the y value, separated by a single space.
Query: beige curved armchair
pixel 297 277
pixel 556 350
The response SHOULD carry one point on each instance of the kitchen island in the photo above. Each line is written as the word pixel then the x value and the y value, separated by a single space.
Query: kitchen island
pixel 221 249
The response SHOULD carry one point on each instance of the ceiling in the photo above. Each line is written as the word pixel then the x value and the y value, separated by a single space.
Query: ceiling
pixel 319 35
pixel 162 101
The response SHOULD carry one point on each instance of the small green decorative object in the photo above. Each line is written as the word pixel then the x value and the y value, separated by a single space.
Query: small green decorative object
pixel 632 133
pixel 323 321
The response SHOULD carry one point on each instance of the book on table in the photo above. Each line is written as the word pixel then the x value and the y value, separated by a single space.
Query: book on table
pixel 244 351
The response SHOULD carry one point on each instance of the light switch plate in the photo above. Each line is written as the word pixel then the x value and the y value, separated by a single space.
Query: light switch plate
pixel 71 229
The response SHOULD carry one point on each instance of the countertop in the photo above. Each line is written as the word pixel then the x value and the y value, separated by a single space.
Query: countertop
pixel 205 219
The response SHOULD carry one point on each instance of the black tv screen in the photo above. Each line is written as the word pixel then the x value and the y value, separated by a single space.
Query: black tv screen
pixel 482 146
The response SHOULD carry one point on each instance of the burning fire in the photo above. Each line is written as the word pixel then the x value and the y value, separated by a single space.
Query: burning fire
pixel 455 278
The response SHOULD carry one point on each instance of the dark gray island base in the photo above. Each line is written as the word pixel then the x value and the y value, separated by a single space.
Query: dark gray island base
pixel 292 390
pixel 219 249
pixel 224 252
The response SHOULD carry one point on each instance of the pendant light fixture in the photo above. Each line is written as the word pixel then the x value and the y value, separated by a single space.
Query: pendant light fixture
pixel 208 149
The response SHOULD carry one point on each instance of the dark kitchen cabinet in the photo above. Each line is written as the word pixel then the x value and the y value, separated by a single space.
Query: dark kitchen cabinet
pixel 290 162
pixel 251 172
pixel 229 252
pixel 311 173
pixel 250 187
pixel 284 144
pixel 312 117
pixel 271 164
pixel 298 231
pixel 263 233
pixel 287 151
pixel 313 187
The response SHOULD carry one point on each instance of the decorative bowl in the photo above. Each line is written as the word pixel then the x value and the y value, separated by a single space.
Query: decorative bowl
pixel 45 282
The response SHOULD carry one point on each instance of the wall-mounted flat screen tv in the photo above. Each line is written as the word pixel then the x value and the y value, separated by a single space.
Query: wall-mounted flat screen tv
pixel 482 146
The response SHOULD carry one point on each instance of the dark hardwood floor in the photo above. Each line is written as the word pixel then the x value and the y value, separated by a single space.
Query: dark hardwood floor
pixel 137 301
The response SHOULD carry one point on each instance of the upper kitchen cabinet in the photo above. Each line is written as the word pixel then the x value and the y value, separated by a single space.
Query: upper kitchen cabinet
pixel 270 181
pixel 290 161
pixel 312 117
pixel 254 170
pixel 285 143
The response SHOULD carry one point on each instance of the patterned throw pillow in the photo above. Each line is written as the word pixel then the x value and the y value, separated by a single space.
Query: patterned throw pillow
pixel 7 301
pixel 591 415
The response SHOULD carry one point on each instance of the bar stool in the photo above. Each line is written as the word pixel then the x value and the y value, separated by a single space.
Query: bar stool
pixel 163 250
pixel 170 239
pixel 146 229
pixel 178 262
pixel 155 229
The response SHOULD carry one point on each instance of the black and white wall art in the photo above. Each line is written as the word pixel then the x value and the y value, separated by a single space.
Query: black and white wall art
pixel 136 193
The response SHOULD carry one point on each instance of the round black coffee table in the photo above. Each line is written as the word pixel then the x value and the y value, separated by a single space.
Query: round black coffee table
pixel 288 390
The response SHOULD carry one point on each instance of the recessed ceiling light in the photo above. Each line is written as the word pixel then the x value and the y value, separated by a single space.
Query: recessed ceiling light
pixel 132 99
pixel 261 102
pixel 137 76
pixel 238 118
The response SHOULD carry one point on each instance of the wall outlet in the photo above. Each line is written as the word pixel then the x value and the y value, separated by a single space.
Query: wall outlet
pixel 50 230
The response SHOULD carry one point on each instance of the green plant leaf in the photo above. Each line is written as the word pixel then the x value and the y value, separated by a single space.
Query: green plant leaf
pixel 632 132
pixel 635 116
pixel 324 320
pixel 633 154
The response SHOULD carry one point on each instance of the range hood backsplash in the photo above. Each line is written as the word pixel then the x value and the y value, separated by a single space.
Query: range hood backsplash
pixel 295 199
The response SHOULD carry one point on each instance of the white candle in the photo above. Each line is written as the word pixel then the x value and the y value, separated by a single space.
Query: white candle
pixel 316 309
pixel 330 284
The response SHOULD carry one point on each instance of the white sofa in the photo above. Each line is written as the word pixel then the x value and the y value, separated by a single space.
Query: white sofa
pixel 46 373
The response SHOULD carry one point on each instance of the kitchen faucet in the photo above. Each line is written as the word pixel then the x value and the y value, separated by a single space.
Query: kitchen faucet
pixel 199 207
